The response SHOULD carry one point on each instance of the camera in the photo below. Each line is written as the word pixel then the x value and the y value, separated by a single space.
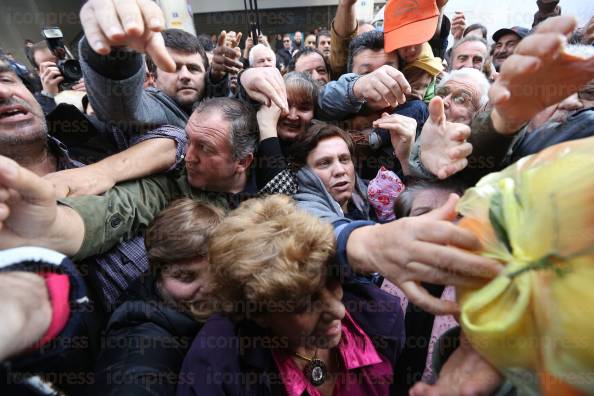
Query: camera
pixel 68 66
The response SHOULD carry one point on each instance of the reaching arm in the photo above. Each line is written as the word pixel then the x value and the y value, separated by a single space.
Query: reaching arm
pixel 343 29
pixel 127 165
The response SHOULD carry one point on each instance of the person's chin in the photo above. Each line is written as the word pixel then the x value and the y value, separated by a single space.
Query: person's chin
pixel 187 97
pixel 195 181
pixel 288 135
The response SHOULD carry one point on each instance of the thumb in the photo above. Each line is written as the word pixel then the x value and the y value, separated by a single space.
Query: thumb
pixel 437 111
pixel 447 211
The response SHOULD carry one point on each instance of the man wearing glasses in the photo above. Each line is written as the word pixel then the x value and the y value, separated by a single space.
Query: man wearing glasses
pixel 284 54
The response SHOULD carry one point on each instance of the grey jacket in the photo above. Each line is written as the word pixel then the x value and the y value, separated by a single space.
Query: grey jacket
pixel 315 199
pixel 125 102
pixel 337 101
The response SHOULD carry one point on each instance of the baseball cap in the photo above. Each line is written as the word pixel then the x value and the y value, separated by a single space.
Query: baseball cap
pixel 517 30
pixel 409 22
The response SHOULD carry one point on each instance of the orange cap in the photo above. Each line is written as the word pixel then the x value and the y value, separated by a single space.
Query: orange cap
pixel 409 22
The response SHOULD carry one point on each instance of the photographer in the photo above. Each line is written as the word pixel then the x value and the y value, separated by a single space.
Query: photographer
pixel 52 79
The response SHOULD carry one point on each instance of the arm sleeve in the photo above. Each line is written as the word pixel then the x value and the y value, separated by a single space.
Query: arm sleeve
pixel 166 132
pixel 123 211
pixel 339 50
pixel 115 87
pixel 337 100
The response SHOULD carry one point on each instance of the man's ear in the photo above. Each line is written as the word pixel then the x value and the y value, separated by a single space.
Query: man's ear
pixel 244 164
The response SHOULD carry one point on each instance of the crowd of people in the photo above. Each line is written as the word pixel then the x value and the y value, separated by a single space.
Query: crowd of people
pixel 241 215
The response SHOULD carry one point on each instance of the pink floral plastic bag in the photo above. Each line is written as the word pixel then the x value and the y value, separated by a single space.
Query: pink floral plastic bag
pixel 382 193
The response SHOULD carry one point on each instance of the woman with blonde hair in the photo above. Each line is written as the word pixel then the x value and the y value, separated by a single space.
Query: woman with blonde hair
pixel 292 320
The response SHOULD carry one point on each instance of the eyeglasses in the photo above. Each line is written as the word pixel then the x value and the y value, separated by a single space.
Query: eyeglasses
pixel 459 97
pixel 286 41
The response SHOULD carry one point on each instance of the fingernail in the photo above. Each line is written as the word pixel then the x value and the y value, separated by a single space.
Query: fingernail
pixel 155 22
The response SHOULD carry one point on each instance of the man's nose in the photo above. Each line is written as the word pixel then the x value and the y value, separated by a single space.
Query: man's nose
pixel 184 73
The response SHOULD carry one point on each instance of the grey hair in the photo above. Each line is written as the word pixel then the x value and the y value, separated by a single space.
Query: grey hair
pixel 258 46
pixel 478 78
pixel 243 135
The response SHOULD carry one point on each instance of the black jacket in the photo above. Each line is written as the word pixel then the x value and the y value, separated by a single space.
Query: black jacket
pixel 143 347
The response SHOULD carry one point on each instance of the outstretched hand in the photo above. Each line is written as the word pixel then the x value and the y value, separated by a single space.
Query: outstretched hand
pixel 540 73
pixel 265 85
pixel 132 23
pixel 428 248
pixel 444 148
pixel 225 58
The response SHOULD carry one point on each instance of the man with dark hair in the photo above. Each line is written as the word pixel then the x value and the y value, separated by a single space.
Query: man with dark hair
pixel 366 53
pixel 115 79
pixel 323 42
pixel 311 61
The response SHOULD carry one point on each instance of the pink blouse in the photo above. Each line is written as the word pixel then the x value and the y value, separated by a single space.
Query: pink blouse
pixel 365 372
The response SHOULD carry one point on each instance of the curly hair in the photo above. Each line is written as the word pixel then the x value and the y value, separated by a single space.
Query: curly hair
pixel 268 253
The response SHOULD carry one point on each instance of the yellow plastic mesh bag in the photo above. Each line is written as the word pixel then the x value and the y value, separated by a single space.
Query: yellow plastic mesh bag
pixel 537 217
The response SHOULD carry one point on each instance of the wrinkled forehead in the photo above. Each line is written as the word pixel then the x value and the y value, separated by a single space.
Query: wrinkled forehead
pixel 472 48
pixel 207 124
pixel 463 85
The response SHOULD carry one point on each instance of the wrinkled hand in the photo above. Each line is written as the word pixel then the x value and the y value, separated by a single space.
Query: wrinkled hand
pixel 81 181
pixel 265 85
pixel 464 373
pixel 132 23
pixel 443 144
pixel 458 25
pixel 50 77
pixel 268 117
pixel 402 134
pixel 225 59
pixel 427 248
pixel 537 75
pixel 384 87
pixel 23 299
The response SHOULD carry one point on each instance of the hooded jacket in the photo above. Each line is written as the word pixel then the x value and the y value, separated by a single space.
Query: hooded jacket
pixel 315 199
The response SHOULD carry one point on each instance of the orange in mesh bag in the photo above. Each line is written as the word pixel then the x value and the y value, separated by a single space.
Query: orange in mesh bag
pixel 537 217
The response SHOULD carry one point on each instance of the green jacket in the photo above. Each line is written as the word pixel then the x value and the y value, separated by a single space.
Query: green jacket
pixel 128 208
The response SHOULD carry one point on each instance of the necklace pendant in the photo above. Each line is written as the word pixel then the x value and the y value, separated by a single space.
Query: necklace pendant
pixel 316 372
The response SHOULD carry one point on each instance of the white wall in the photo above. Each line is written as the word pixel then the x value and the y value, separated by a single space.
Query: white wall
pixel 495 14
